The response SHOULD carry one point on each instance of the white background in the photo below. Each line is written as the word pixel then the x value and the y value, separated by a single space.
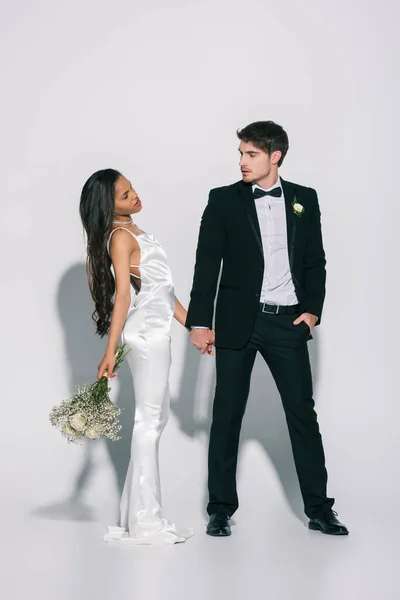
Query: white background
pixel 157 90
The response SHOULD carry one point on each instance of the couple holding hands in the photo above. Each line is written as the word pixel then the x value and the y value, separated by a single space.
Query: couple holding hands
pixel 267 234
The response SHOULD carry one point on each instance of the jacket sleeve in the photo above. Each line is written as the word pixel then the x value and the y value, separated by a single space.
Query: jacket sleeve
pixel 208 263
pixel 314 265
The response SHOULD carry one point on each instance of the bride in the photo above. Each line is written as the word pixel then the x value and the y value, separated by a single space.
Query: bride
pixel 132 289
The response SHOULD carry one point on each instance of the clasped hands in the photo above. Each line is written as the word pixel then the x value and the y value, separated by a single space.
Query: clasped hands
pixel 203 340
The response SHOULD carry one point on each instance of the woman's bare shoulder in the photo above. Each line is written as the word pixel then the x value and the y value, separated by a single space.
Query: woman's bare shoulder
pixel 123 239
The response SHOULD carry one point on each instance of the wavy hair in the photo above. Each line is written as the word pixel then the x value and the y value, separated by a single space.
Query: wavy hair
pixel 96 209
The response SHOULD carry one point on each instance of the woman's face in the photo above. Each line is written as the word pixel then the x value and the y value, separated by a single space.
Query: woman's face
pixel 126 200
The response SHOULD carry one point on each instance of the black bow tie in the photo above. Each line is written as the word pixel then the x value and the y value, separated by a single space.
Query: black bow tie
pixel 275 192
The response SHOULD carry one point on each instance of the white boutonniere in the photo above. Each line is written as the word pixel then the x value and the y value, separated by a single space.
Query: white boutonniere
pixel 298 209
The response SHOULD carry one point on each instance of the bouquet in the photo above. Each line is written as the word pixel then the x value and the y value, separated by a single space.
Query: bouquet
pixel 90 412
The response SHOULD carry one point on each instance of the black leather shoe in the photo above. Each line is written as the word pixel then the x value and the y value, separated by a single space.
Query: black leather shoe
pixel 218 525
pixel 329 524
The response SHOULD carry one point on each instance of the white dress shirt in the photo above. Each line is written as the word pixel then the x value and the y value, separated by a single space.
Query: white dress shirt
pixel 277 286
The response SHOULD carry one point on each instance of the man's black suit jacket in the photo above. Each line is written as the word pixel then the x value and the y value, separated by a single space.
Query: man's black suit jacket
pixel 230 232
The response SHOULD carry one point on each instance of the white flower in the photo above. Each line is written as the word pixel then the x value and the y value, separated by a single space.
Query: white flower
pixel 93 433
pixel 78 422
pixel 69 431
pixel 298 208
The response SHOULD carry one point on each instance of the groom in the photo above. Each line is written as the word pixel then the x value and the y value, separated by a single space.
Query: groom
pixel 267 233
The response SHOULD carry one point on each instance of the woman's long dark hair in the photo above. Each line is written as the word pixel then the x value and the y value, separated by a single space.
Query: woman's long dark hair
pixel 97 209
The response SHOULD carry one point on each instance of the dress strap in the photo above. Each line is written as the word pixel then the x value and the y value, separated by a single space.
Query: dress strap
pixel 111 234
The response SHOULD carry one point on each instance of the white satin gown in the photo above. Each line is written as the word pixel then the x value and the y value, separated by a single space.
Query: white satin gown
pixel 147 334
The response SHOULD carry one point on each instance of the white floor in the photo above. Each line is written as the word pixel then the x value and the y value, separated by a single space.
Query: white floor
pixel 59 555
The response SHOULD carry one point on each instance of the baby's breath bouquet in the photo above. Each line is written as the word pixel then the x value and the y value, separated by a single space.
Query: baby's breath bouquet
pixel 90 412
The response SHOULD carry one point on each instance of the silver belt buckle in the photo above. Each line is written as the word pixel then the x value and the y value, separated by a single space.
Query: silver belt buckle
pixel 270 312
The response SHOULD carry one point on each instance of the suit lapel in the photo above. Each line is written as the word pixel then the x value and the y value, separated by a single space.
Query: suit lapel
pixel 291 219
pixel 246 193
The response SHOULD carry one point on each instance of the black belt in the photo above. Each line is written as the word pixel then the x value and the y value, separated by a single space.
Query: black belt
pixel 276 309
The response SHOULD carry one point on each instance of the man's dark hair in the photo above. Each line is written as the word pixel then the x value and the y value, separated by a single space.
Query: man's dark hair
pixel 267 136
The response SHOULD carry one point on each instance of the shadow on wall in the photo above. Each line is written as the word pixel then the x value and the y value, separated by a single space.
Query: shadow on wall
pixel 84 351
pixel 264 420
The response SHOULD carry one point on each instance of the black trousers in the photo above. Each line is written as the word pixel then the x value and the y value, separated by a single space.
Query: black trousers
pixel 284 348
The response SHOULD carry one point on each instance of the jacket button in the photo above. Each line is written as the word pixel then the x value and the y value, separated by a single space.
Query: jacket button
pixel 257 295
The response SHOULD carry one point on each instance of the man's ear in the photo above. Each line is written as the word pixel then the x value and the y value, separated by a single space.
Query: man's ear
pixel 276 157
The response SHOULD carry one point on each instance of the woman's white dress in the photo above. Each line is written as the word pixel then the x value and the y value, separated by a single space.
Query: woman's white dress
pixel 147 334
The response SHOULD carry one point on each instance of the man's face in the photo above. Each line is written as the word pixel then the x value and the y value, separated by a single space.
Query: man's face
pixel 256 164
